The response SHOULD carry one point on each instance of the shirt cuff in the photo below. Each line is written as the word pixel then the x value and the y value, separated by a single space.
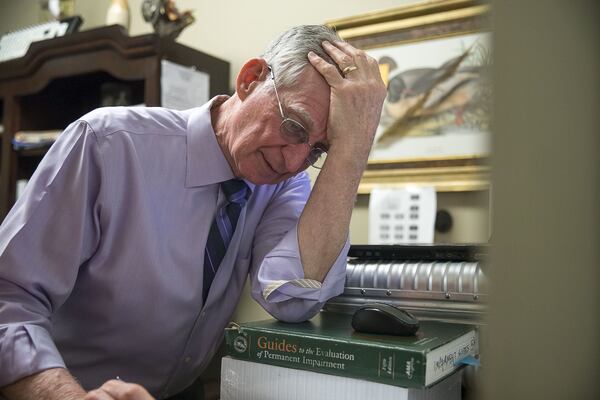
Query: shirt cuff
pixel 301 283
pixel 282 277
pixel 26 350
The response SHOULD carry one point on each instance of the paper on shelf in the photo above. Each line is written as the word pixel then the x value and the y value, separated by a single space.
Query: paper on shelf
pixel 182 87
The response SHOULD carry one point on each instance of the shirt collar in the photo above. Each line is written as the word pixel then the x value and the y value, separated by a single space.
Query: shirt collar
pixel 205 163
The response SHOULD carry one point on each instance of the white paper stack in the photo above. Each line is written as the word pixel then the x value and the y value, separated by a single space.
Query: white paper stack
pixel 244 380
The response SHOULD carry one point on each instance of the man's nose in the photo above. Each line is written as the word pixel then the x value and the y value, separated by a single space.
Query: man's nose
pixel 295 156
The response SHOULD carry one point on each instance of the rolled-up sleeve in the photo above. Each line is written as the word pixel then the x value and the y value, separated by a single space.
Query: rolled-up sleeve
pixel 52 229
pixel 277 275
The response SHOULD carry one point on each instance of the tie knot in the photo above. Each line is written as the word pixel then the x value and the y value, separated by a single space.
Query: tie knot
pixel 236 191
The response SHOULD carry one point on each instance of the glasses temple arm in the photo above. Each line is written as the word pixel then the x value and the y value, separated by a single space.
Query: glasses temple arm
pixel 276 94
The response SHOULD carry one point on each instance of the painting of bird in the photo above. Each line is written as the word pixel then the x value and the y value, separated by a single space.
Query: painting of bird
pixel 431 100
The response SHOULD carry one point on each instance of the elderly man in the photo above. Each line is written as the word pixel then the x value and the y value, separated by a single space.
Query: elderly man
pixel 129 249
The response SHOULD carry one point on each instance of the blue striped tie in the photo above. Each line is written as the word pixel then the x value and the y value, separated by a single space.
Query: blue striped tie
pixel 222 228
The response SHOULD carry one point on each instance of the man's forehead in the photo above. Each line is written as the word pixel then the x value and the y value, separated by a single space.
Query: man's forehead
pixel 308 99
pixel 310 74
pixel 311 110
pixel 311 85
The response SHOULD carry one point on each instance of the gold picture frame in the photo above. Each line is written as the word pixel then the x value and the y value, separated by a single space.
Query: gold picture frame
pixel 416 25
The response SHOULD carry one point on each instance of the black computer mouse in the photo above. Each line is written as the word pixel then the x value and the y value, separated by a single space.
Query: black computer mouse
pixel 384 319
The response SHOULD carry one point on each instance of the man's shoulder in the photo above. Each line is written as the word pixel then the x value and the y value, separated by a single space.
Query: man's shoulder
pixel 137 120
pixel 297 183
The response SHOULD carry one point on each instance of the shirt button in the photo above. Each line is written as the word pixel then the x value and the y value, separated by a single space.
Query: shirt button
pixel 187 360
pixel 202 314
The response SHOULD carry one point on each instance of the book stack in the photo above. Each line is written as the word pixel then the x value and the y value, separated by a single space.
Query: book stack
pixel 325 358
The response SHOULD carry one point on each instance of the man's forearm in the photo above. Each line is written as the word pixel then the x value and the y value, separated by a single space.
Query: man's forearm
pixel 51 384
pixel 323 225
pixel 355 104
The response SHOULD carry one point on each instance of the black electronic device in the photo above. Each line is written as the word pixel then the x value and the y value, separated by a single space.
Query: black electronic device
pixel 385 319
pixel 420 252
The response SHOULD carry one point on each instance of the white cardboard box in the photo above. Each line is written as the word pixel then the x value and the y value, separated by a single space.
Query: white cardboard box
pixel 244 380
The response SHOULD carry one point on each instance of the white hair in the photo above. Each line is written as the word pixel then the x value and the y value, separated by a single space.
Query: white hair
pixel 288 54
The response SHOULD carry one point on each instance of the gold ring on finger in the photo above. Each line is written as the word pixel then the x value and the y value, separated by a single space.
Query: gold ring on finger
pixel 349 69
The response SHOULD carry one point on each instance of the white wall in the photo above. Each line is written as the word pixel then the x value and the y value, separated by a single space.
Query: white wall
pixel 238 30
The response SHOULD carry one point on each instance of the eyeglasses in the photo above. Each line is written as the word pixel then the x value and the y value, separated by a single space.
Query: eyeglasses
pixel 294 132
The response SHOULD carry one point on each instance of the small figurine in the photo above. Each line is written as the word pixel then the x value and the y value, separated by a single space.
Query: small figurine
pixel 165 18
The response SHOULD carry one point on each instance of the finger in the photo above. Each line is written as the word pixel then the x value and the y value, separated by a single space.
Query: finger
pixel 357 54
pixel 124 390
pixel 346 47
pixel 341 58
pixel 328 71
pixel 361 66
pixel 98 394
pixel 361 58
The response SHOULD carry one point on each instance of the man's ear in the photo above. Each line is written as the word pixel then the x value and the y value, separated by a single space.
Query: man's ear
pixel 254 71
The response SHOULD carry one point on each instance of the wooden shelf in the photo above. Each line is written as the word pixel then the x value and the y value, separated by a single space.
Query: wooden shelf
pixel 37 152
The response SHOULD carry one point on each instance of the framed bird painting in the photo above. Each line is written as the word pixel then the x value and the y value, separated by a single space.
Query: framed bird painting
pixel 435 58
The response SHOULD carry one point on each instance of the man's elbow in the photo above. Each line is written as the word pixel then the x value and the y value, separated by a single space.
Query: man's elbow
pixel 291 313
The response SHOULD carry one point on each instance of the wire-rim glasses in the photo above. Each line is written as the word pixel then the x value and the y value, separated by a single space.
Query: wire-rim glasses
pixel 296 133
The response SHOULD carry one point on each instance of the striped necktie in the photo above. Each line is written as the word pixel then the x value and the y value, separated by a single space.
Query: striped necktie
pixel 221 231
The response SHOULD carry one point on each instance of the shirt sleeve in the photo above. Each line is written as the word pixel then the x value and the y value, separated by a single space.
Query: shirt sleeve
pixel 276 274
pixel 51 230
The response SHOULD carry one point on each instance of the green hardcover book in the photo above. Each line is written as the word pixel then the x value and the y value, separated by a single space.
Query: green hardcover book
pixel 328 344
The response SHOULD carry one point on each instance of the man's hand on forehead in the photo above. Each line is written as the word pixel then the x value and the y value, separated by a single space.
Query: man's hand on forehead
pixel 357 96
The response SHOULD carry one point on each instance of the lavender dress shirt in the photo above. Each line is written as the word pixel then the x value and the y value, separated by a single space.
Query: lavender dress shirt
pixel 101 259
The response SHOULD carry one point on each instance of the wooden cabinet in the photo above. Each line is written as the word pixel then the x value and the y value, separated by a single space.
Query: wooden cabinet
pixel 60 79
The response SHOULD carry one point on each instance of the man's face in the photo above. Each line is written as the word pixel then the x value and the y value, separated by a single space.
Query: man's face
pixel 258 150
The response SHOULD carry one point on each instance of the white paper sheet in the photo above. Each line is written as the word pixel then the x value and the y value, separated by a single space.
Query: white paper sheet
pixel 244 380
pixel 402 216
pixel 182 87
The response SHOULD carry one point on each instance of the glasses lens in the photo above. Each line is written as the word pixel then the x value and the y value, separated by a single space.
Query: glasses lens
pixel 316 157
pixel 293 131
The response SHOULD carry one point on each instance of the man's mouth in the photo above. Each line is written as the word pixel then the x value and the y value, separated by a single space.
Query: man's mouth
pixel 269 165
